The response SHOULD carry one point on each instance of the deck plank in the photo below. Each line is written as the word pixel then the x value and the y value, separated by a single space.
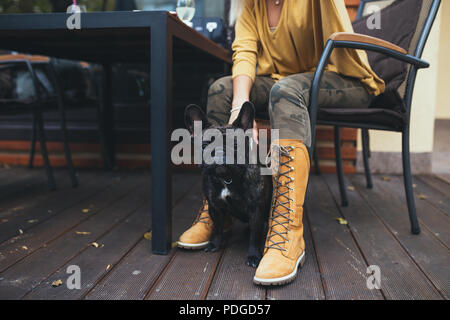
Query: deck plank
pixel 116 242
pixel 20 185
pixel 412 267
pixel 189 273
pixel 388 203
pixel 435 192
pixel 341 264
pixel 133 277
pixel 432 217
pixel 42 234
pixel 233 279
pixel 21 279
pixel 38 210
pixel 401 279
pixel 187 277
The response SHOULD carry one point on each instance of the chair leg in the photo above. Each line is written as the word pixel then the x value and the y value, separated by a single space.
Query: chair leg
pixel 415 228
pixel 67 152
pixel 48 168
pixel 101 130
pixel 339 169
pixel 316 160
pixel 366 155
pixel 33 142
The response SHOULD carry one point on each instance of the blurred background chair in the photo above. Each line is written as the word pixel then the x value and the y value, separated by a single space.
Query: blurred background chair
pixel 28 84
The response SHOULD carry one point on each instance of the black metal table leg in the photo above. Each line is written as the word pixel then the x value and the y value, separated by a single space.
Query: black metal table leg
pixel 161 123
pixel 106 118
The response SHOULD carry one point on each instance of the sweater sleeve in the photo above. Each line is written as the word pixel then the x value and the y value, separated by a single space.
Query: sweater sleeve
pixel 245 45
pixel 349 62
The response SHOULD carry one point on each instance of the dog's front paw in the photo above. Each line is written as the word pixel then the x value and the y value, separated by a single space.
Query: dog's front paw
pixel 211 247
pixel 253 261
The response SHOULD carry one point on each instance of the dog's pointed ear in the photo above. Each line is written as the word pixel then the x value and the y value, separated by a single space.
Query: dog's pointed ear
pixel 194 113
pixel 246 117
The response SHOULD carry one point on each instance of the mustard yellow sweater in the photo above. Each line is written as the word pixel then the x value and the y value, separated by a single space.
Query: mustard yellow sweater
pixel 298 42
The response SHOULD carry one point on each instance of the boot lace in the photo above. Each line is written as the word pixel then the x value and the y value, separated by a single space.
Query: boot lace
pixel 281 200
pixel 201 217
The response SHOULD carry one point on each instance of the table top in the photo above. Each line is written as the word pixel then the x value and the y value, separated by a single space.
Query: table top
pixel 121 36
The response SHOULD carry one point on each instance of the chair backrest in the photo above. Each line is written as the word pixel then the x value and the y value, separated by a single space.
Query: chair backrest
pixel 424 18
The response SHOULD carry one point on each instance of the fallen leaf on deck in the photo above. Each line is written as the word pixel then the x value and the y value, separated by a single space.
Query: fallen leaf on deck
pixel 32 221
pixel 148 235
pixel 82 232
pixel 20 231
pixel 85 210
pixel 57 283
pixel 107 267
pixel 24 247
pixel 94 244
pixel 422 196
pixel 341 221
pixel 351 188
pixel 386 178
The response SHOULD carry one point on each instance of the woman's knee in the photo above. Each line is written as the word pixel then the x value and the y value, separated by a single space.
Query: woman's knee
pixel 288 109
pixel 290 90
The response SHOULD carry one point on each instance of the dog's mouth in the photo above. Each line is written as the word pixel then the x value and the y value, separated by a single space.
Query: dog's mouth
pixel 227 181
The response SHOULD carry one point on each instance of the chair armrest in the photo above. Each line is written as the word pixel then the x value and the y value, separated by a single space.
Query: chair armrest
pixel 21 57
pixel 362 38
pixel 363 42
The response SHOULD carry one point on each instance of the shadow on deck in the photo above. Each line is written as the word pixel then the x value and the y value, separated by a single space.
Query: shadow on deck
pixel 100 227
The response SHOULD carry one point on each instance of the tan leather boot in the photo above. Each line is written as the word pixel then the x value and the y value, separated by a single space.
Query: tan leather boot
pixel 198 235
pixel 285 246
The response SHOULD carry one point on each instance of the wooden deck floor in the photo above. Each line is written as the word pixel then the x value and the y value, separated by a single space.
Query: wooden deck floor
pixel 42 233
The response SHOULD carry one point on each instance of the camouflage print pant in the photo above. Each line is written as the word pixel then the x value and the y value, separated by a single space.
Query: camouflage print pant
pixel 287 100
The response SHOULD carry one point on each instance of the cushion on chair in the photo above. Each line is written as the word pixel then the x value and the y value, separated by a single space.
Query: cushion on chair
pixel 398 26
pixel 371 116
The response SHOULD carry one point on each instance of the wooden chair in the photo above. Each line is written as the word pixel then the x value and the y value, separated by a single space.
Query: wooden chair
pixel 393 108
pixel 45 95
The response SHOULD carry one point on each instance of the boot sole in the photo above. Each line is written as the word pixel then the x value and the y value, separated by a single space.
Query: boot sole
pixel 282 280
pixel 192 246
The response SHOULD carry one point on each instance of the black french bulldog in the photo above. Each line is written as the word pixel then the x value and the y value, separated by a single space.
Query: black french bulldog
pixel 234 189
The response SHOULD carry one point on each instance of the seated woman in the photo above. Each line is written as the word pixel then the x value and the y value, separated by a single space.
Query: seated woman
pixel 277 48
